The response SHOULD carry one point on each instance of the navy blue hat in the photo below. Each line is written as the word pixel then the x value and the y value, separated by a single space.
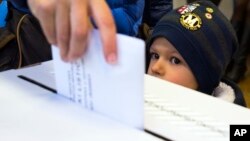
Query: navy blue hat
pixel 203 36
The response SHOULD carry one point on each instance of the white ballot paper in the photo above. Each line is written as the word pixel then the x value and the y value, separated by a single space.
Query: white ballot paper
pixel 113 90
pixel 178 113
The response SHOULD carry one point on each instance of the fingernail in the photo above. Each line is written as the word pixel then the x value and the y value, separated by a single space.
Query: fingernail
pixel 71 58
pixel 65 59
pixel 112 58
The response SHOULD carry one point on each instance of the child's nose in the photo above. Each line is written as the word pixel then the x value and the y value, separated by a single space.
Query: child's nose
pixel 158 68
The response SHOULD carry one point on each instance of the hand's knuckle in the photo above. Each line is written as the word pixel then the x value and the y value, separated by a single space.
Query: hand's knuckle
pixel 80 34
pixel 63 38
pixel 46 7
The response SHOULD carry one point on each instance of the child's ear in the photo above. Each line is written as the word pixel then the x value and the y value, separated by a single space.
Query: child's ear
pixel 144 31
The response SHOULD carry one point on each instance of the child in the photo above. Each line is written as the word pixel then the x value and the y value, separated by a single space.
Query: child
pixel 192 46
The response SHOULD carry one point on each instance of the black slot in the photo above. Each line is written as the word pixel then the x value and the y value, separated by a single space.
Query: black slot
pixel 37 83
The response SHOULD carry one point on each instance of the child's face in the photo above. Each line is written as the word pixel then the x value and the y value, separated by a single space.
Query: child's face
pixel 167 63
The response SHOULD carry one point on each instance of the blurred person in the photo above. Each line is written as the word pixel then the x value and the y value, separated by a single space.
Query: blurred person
pixel 241 23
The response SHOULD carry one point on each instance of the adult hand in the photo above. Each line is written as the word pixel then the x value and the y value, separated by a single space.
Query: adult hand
pixel 66 24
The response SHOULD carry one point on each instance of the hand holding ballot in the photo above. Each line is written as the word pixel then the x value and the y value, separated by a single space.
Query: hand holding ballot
pixel 66 24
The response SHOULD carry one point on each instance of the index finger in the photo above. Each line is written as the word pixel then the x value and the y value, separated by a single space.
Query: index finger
pixel 104 20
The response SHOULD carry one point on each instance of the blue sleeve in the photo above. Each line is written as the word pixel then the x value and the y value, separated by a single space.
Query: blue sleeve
pixel 127 15
pixel 3 13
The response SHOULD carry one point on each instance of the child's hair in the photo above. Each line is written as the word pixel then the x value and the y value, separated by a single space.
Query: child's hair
pixel 203 36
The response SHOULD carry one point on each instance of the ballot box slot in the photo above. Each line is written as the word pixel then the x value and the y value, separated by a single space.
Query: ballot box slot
pixel 156 135
pixel 37 83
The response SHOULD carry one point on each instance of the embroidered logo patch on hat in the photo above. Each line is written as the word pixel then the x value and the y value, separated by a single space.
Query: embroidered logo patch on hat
pixel 187 8
pixel 191 21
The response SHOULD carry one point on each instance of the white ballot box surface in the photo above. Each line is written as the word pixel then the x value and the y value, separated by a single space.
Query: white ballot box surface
pixel 171 111
pixel 31 112
pixel 182 114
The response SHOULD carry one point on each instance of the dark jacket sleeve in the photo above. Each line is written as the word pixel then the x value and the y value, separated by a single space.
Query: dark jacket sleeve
pixel 155 9
pixel 20 5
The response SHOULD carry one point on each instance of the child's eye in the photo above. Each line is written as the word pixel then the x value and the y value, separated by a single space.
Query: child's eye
pixel 154 55
pixel 175 60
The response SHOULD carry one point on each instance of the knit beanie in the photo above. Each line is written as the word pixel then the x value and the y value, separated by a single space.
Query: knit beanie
pixel 203 36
